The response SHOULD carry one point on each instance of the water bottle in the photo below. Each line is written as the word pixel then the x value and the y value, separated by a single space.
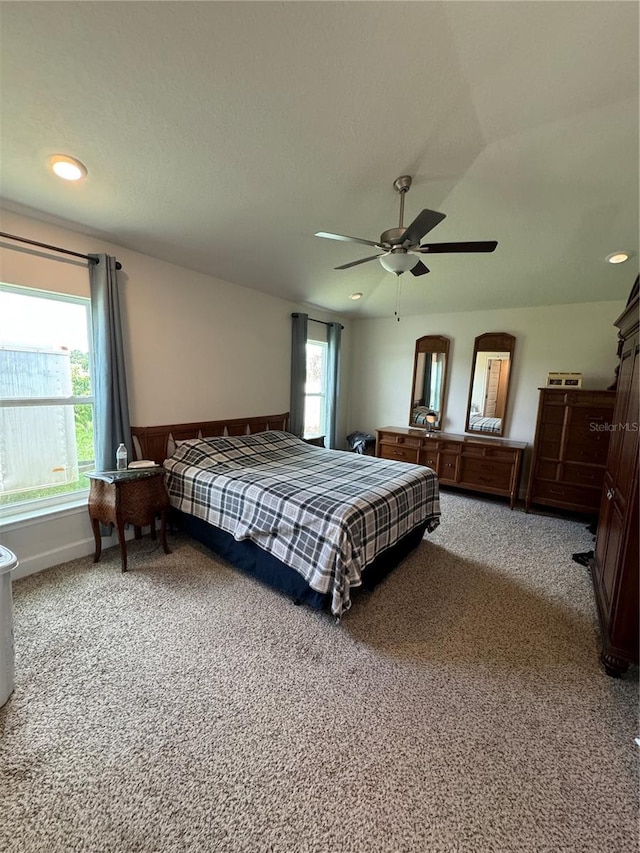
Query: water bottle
pixel 121 458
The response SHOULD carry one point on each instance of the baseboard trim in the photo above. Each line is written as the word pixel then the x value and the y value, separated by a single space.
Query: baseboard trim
pixel 49 559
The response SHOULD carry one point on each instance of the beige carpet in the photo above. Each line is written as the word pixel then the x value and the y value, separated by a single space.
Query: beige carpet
pixel 458 707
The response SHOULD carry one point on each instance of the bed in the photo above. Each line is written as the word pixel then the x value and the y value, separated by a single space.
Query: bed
pixel 311 522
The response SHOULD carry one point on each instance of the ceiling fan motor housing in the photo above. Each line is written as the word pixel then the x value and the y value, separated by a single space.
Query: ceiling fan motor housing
pixel 392 237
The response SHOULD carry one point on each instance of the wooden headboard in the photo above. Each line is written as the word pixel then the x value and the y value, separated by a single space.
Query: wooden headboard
pixel 151 442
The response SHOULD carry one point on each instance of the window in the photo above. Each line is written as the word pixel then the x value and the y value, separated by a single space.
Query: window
pixel 315 400
pixel 46 402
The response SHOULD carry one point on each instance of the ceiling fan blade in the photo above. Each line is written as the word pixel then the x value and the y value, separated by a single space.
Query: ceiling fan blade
pixel 421 225
pixel 419 269
pixel 434 248
pixel 361 261
pixel 345 239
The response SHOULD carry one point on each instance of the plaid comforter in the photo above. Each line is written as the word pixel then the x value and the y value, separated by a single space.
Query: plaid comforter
pixel 491 425
pixel 325 513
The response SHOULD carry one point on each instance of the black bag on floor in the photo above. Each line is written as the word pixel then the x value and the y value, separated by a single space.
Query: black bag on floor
pixel 362 442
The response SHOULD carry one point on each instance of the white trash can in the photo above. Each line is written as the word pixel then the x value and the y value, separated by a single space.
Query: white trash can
pixel 8 561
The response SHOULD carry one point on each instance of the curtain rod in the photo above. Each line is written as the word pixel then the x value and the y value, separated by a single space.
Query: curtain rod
pixel 55 249
pixel 324 322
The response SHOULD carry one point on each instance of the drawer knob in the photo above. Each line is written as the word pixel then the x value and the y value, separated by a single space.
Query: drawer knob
pixel 610 494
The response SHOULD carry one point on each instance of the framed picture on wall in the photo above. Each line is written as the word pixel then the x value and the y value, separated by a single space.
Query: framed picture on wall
pixel 564 380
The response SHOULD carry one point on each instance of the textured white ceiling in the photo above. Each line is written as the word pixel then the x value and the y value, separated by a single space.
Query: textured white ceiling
pixel 222 135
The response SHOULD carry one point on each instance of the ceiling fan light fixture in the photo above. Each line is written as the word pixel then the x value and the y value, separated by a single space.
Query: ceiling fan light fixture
pixel 398 262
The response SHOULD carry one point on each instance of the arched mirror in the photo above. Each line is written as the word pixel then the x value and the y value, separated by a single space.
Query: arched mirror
pixel 489 385
pixel 429 382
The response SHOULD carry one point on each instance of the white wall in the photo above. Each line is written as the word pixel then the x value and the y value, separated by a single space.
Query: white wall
pixel 197 348
pixel 579 337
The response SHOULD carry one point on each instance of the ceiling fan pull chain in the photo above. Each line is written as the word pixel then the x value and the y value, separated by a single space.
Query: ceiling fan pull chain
pixel 398 296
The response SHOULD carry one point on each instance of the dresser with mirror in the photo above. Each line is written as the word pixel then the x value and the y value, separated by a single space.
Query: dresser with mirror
pixel 483 461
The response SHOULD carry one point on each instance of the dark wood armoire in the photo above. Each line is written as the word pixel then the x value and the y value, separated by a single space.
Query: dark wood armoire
pixel 615 565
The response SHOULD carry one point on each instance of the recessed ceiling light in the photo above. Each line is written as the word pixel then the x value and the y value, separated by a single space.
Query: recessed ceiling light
pixel 618 257
pixel 67 168
pixel 355 296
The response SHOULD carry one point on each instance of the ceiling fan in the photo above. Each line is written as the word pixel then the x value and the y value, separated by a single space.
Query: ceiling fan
pixel 401 245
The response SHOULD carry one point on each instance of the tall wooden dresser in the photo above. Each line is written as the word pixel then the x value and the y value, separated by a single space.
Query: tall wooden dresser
pixel 615 565
pixel 570 450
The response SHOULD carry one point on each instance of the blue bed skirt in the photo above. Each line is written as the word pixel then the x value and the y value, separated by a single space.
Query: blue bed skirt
pixel 248 557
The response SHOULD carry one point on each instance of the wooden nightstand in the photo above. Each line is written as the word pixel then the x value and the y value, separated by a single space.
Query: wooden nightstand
pixel 316 440
pixel 134 496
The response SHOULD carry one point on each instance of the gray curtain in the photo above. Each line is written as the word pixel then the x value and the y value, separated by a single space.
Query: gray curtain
pixel 299 323
pixel 111 408
pixel 334 331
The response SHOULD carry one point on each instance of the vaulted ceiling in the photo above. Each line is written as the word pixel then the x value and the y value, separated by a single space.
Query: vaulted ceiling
pixel 222 135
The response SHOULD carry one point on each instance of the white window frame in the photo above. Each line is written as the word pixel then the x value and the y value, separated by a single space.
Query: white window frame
pixel 39 506
pixel 323 393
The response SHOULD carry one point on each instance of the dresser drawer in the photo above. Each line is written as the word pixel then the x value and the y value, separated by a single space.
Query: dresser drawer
pixel 503 454
pixel 404 440
pixel 483 451
pixel 589 418
pixel 450 446
pixel 586 475
pixel 401 454
pixel 448 466
pixel 480 472
pixel 549 441
pixel 580 497
pixel 546 450
pixel 591 450
pixel 546 470
pixel 429 458
pixel 590 399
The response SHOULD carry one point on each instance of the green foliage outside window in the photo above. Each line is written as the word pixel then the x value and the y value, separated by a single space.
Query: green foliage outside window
pixel 81 384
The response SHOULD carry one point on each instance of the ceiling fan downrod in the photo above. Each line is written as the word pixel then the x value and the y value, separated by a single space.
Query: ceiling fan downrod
pixel 392 240
pixel 402 185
